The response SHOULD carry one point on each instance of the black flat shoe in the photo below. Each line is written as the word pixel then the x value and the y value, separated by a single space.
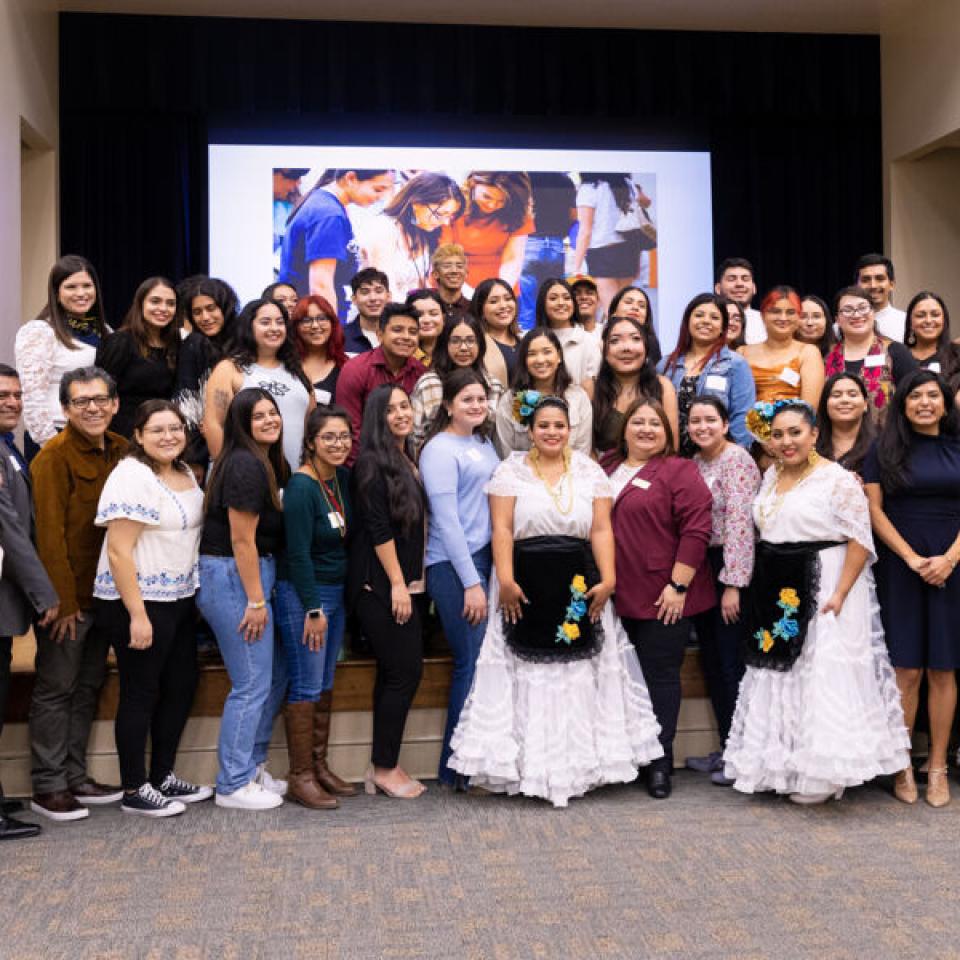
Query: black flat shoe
pixel 10 806
pixel 658 783
pixel 11 829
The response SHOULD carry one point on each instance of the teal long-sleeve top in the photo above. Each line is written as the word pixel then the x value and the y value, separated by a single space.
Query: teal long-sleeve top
pixel 316 552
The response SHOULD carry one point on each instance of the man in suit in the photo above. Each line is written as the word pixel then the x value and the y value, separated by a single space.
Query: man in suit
pixel 25 589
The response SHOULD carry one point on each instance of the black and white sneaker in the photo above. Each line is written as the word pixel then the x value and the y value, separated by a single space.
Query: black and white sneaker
pixel 150 802
pixel 173 788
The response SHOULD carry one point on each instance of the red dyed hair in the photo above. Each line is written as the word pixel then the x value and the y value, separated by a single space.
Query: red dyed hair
pixel 335 344
pixel 781 293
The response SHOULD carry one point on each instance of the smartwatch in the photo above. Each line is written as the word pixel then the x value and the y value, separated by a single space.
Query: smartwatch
pixel 681 588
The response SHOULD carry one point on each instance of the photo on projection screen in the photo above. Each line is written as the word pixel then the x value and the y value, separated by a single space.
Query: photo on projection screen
pixel 313 216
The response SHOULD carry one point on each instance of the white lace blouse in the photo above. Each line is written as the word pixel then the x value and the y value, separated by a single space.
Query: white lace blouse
pixel 41 361
pixel 166 552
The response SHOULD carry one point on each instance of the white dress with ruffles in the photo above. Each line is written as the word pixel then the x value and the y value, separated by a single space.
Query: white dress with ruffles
pixel 554 730
pixel 834 719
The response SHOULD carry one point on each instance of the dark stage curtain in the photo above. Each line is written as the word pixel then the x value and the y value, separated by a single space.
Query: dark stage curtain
pixel 792 121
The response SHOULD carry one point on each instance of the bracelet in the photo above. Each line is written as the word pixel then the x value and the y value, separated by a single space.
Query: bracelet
pixel 256 604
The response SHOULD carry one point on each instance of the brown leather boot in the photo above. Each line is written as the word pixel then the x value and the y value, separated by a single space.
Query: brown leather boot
pixel 321 735
pixel 302 785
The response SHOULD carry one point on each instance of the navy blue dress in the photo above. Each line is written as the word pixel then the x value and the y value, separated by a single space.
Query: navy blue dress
pixel 920 621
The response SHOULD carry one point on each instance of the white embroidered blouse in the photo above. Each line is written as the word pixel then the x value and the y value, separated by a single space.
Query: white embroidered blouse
pixel 41 361
pixel 166 552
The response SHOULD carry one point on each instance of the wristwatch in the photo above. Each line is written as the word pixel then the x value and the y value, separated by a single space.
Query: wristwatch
pixel 679 587
pixel 256 604
pixel 315 614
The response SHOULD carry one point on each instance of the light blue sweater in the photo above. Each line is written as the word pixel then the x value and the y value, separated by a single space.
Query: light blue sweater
pixel 455 471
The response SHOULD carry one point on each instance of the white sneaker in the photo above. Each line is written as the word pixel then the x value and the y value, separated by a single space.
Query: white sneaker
pixel 262 776
pixel 250 797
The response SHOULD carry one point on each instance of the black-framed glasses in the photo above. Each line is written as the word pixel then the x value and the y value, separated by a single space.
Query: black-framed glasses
pixel 334 439
pixel 101 402
pixel 314 321
pixel 463 341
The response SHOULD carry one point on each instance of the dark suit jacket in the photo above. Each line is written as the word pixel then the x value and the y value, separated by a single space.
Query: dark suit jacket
pixel 25 588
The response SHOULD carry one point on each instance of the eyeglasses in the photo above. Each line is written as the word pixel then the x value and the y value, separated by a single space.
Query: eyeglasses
pixel 861 310
pixel 335 439
pixel 462 341
pixel 175 431
pixel 100 402
pixel 10 395
pixel 315 322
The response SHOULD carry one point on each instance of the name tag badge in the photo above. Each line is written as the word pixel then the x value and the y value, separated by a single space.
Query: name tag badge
pixel 874 360
pixel 18 468
pixel 789 375
pixel 640 483
pixel 322 396
pixel 933 366
pixel 716 382
pixel 336 520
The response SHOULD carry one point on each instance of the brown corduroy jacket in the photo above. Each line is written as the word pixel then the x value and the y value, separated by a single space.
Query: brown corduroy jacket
pixel 68 475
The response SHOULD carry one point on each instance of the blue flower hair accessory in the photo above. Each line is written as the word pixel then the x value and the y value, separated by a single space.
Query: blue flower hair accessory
pixel 759 419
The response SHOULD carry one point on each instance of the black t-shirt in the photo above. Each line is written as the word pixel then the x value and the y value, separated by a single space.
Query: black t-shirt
pixel 244 487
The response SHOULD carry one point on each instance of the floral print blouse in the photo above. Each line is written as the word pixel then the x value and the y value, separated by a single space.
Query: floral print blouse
pixel 733 480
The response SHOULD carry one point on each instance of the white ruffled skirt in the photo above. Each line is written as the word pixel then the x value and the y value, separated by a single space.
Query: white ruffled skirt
pixel 834 719
pixel 555 730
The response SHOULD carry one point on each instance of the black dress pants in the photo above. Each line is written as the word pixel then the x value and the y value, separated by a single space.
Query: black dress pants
pixel 398 650
pixel 157 686
pixel 660 649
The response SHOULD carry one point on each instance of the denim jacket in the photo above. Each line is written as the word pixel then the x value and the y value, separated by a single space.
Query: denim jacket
pixel 726 376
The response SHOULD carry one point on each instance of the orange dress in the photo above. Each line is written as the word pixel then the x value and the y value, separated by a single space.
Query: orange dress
pixel 483 240
pixel 771 383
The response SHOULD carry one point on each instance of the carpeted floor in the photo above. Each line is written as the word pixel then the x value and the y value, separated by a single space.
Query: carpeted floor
pixel 706 874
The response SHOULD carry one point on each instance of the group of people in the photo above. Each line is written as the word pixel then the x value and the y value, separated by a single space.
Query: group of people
pixel 575 502
pixel 518 226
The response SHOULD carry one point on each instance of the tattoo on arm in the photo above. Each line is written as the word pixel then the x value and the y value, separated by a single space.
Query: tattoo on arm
pixel 221 400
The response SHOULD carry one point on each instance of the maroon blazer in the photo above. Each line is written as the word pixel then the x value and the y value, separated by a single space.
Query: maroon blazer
pixel 662 517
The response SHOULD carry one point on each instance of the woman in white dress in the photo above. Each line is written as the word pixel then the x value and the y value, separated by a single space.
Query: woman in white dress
pixel 818 709
pixel 558 704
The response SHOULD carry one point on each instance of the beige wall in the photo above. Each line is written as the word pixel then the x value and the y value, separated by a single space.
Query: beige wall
pixel 921 122
pixel 28 111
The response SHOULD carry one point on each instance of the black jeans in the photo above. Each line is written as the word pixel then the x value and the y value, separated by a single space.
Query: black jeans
pixel 157 686
pixel 398 650
pixel 721 653
pixel 661 649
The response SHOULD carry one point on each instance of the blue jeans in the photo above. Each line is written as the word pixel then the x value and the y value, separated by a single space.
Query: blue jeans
pixel 311 672
pixel 446 591
pixel 542 258
pixel 257 671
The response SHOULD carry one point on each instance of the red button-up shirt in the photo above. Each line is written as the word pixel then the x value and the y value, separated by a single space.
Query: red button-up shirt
pixel 358 378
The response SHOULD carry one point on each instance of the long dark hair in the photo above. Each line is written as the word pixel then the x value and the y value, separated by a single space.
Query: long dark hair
pixel 137 325
pixel 237 435
pixel 541 307
pixel 459 379
pixel 482 293
pixel 828 340
pixel 380 457
pixel 220 292
pixel 607 389
pixel 244 350
pixel 896 436
pixel 514 184
pixel 620 186
pixel 54 312
pixel 685 339
pixel 143 413
pixel 947 355
pixel 315 422
pixel 425 188
pixel 854 457
pixel 521 379
pixel 442 363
